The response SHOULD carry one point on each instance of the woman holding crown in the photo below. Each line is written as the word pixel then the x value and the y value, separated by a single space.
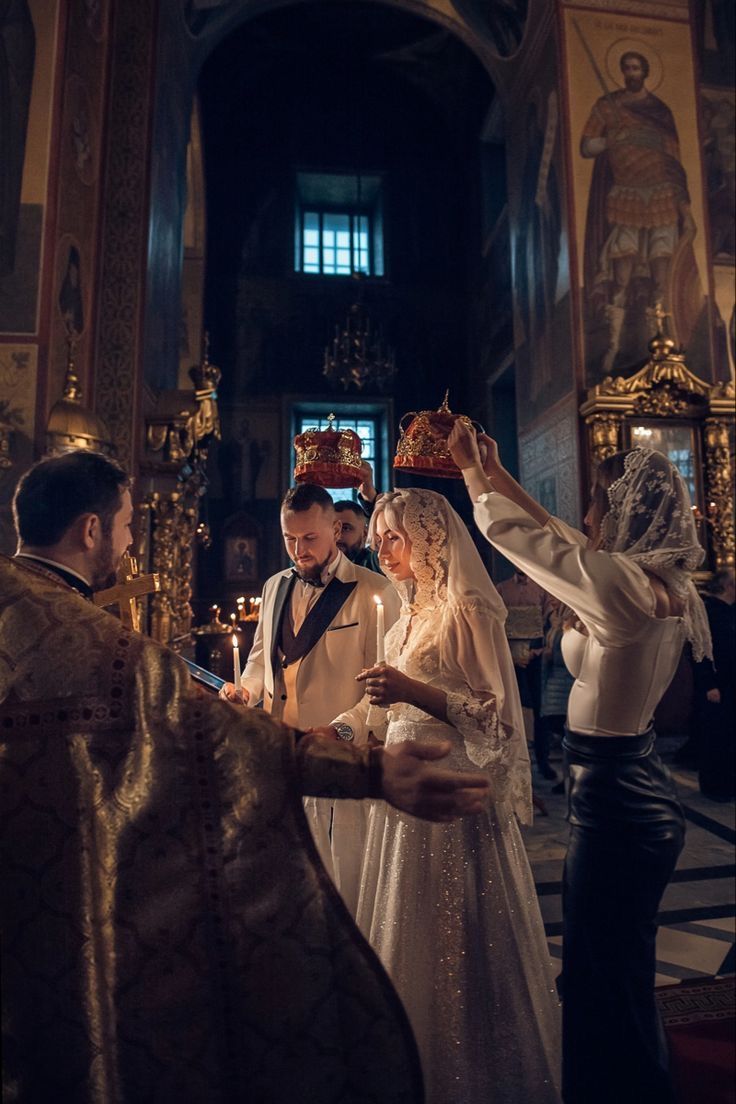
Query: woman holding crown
pixel 451 909
pixel 630 586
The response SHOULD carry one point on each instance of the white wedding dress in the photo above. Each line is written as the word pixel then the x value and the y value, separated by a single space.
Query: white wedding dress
pixel 451 909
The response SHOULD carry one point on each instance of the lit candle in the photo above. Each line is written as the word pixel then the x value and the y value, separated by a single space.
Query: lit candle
pixel 380 631
pixel 236 661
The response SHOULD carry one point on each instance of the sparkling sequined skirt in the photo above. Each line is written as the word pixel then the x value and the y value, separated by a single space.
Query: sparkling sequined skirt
pixel 451 910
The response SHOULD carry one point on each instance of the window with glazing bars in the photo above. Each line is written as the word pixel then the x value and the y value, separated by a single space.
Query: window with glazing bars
pixel 367 429
pixel 335 243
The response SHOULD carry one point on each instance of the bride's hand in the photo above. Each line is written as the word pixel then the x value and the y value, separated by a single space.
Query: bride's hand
pixel 385 685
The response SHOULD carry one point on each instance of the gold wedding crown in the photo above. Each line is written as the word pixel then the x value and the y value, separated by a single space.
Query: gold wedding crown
pixel 329 457
pixel 422 447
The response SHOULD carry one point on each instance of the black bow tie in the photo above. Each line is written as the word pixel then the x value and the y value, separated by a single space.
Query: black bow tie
pixel 316 583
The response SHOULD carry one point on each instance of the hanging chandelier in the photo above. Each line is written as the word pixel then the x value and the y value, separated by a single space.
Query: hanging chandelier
pixel 357 353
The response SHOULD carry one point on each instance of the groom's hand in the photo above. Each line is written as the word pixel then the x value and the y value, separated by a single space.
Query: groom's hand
pixel 412 782
pixel 230 692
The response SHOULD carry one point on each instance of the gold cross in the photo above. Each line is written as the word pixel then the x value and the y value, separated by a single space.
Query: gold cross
pixel 124 593
pixel 659 313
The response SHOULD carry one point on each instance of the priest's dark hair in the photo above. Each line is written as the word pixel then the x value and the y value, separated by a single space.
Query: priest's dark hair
pixel 57 490
pixel 304 496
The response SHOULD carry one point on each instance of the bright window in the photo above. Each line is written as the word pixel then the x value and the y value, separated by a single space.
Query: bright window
pixel 339 225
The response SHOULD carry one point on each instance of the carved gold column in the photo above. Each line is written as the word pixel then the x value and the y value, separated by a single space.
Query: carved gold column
pixel 178 432
pixel 604 436
pixel 719 491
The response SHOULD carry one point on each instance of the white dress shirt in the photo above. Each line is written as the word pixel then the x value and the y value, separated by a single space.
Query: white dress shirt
pixel 626 662
pixel 304 596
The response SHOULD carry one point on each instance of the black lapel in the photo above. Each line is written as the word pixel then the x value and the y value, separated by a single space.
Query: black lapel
pixel 285 587
pixel 320 616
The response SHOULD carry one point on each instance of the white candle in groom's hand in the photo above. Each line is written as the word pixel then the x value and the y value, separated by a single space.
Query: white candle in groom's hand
pixel 380 631
pixel 236 662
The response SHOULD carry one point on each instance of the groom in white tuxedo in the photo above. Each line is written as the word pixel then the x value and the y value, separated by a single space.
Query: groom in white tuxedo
pixel 317 631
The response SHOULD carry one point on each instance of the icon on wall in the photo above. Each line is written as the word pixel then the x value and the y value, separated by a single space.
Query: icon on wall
pixel 241 560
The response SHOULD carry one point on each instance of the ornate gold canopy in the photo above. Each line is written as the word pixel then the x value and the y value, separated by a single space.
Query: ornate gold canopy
pixel 665 392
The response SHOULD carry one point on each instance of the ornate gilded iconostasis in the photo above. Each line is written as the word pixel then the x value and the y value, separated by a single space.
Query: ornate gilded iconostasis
pixel 157 156
pixel 666 407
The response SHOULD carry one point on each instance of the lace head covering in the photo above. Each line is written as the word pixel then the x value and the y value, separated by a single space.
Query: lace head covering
pixel 650 520
pixel 451 583
pixel 446 564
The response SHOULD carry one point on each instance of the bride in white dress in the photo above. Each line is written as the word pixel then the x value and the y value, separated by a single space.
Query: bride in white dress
pixel 451 909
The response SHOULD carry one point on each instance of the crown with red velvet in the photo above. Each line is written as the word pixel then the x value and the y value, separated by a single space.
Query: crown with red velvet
pixel 422 447
pixel 329 457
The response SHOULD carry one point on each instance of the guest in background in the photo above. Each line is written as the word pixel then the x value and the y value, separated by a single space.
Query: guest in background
pixel 354 534
pixel 714 680
pixel 526 601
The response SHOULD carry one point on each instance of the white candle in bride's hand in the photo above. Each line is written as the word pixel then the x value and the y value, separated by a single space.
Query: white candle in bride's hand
pixel 236 662
pixel 380 631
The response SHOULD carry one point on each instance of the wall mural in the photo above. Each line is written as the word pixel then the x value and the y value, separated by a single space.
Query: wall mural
pixel 27 50
pixel 18 374
pixel 501 22
pixel 541 280
pixel 718 116
pixel 637 188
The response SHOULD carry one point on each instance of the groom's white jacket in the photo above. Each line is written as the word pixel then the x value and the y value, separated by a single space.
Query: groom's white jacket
pixel 338 639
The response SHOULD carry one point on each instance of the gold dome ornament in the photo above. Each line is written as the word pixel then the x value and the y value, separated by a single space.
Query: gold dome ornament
pixel 328 457
pixel 422 447
pixel 70 425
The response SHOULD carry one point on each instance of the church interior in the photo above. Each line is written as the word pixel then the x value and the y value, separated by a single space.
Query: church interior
pixel 225 222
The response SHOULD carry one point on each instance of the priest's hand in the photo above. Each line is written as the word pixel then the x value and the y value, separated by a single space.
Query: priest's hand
pixel 232 693
pixel 411 782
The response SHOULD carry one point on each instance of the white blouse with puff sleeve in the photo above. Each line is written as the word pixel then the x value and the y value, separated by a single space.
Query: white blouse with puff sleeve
pixel 626 662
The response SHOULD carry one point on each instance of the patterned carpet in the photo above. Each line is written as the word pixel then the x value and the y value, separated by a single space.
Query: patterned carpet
pixel 700 1021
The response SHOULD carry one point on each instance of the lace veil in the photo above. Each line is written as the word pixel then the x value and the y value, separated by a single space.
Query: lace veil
pixel 452 583
pixel 650 520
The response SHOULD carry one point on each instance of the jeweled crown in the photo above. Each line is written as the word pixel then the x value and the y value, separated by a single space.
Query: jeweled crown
pixel 329 457
pixel 422 446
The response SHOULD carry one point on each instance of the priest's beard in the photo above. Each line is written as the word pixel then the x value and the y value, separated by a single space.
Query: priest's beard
pixel 313 574
pixel 104 569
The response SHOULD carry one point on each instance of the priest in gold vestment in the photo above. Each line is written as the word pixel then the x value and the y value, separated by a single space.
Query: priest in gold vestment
pixel 169 934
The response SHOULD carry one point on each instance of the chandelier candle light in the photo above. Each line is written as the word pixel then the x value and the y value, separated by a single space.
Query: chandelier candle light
pixel 357 354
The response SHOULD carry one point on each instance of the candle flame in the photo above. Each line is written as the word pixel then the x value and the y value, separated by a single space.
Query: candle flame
pixel 377 600
pixel 235 640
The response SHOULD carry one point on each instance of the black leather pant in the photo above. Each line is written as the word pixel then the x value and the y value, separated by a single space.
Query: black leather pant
pixel 627 831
